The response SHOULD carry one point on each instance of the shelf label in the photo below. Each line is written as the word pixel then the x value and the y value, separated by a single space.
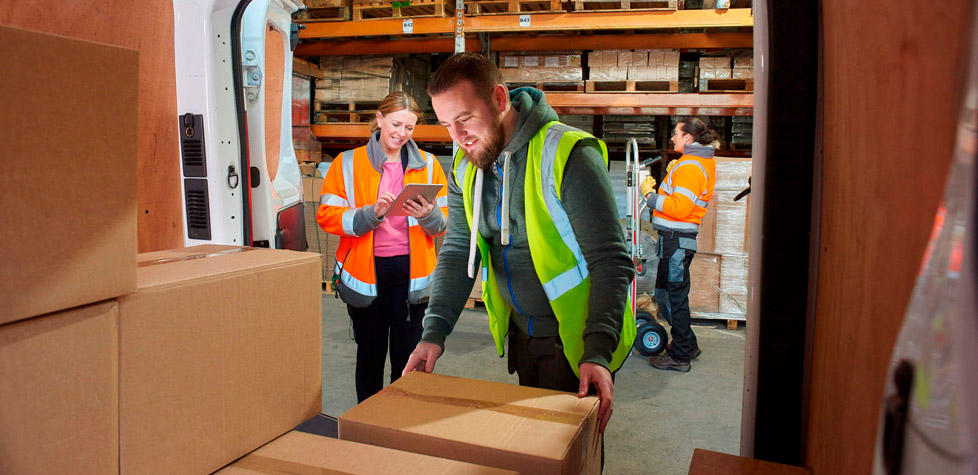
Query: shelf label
pixel 408 26
pixel 524 21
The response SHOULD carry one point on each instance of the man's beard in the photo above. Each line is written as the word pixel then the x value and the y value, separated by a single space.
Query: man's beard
pixel 493 145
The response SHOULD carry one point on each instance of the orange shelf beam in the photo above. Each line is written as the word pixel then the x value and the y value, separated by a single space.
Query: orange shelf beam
pixel 624 20
pixel 422 133
pixel 580 21
pixel 652 104
pixel 554 42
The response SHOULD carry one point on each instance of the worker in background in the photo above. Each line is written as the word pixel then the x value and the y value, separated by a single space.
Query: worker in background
pixel 677 210
pixel 530 202
pixel 384 263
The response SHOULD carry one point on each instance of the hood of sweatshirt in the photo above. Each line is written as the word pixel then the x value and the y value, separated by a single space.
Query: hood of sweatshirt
pixel 414 159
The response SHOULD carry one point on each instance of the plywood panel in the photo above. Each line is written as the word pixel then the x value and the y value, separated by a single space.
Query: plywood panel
pixel 146 26
pixel 892 78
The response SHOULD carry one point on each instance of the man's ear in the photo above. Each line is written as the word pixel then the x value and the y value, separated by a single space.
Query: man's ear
pixel 500 97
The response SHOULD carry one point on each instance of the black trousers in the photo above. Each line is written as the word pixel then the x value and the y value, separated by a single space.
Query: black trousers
pixel 388 320
pixel 676 251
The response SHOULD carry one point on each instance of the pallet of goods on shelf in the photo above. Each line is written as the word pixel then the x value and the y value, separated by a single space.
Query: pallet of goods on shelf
pixel 370 9
pixel 354 85
pixel 641 70
pixel 326 10
pixel 741 133
pixel 499 7
pixel 632 5
pixel 716 75
pixel 552 68
pixel 619 129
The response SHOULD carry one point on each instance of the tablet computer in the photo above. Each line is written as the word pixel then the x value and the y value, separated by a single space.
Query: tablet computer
pixel 411 192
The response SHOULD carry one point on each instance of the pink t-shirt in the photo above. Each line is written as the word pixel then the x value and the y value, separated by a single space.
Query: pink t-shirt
pixel 391 237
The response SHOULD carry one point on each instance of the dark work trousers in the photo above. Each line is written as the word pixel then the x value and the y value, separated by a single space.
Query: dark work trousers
pixel 541 363
pixel 676 251
pixel 387 319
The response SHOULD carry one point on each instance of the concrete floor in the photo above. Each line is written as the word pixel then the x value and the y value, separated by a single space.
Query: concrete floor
pixel 660 416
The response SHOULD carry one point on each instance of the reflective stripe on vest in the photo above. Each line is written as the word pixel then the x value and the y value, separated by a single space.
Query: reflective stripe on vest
pixel 561 268
pixel 353 283
pixel 349 184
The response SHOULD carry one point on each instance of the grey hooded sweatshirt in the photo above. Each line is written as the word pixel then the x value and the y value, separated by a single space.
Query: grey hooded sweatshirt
pixel 590 204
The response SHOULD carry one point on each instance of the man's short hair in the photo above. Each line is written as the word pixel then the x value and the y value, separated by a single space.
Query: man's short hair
pixel 470 66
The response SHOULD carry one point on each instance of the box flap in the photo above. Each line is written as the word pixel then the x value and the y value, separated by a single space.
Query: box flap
pixel 180 266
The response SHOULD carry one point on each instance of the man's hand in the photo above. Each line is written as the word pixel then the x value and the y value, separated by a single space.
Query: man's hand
pixel 600 377
pixel 647 186
pixel 423 358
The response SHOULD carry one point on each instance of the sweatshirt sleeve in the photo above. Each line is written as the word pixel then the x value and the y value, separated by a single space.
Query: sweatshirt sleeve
pixel 588 198
pixel 451 284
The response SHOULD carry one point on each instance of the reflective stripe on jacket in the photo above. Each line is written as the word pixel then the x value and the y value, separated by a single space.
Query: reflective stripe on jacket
pixel 352 183
pixel 686 191
pixel 556 254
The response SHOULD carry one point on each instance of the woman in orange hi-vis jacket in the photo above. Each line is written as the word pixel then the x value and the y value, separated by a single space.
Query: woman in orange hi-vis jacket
pixel 677 210
pixel 384 263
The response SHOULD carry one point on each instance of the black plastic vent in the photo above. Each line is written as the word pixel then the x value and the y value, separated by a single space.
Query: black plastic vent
pixel 198 209
pixel 192 145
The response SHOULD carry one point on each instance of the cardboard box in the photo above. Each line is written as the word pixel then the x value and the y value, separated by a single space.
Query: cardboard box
pixel 609 74
pixel 220 351
pixel 746 62
pixel 59 392
pixel 742 74
pixel 704 277
pixel 68 178
pixel 298 452
pixel 500 425
pixel 723 73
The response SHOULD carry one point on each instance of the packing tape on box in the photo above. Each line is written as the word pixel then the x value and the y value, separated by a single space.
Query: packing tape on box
pixel 512 409
pixel 257 463
pixel 194 256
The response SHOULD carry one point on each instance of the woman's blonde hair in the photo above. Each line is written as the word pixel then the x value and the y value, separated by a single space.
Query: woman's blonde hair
pixel 395 101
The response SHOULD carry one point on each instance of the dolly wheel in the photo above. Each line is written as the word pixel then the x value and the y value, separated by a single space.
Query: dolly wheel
pixel 651 339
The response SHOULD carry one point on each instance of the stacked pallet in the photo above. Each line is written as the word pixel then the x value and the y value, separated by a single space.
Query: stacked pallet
pixel 353 86
pixel 542 69
pixel 368 9
pixel 619 129
pixel 641 70
pixel 499 7
pixel 716 75
pixel 741 133
pixel 618 5
pixel 325 10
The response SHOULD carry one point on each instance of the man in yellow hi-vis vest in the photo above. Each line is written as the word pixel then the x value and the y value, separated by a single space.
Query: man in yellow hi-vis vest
pixel 532 213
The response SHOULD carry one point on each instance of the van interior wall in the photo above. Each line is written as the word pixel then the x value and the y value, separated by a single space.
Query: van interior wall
pixel 893 76
pixel 146 26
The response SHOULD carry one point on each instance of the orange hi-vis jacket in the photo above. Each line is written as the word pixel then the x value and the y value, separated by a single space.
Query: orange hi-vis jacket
pixel 685 192
pixel 349 191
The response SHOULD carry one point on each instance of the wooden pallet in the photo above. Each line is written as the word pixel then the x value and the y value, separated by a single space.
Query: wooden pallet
pixel 403 9
pixel 731 319
pixel 598 87
pixel 473 303
pixel 499 7
pixel 631 5
pixel 556 86
pixel 727 85
pixel 313 15
pixel 345 112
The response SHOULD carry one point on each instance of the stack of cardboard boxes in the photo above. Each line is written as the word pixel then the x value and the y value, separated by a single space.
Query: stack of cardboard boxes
pixel 634 65
pixel 308 151
pixel 370 78
pixel 552 67
pixel 719 68
pixel 113 361
pixel 319 240
pixel 720 269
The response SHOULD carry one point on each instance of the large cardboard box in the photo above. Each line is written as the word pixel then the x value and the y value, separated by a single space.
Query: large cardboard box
pixel 298 452
pixel 518 428
pixel 68 179
pixel 220 351
pixel 59 392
